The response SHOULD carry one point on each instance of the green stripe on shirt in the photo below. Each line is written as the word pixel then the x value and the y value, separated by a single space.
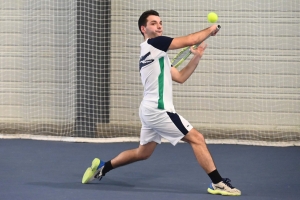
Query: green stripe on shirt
pixel 161 84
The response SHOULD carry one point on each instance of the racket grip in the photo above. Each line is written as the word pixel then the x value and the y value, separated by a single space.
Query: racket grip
pixel 217 29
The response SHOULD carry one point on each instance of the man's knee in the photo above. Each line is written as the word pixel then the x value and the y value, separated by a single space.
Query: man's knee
pixel 144 152
pixel 144 156
pixel 195 137
pixel 199 138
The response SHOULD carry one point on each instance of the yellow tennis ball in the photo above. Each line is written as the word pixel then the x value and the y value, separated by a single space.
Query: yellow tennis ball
pixel 212 17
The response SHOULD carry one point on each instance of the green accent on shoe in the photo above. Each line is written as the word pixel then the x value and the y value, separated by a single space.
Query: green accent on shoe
pixel 91 171
pixel 224 193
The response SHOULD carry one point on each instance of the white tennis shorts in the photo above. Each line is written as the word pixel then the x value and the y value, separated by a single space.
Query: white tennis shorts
pixel 157 124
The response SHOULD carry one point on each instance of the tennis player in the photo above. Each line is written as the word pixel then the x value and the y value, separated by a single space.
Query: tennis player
pixel 157 113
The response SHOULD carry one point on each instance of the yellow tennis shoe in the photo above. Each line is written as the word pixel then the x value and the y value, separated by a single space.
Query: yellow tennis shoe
pixel 93 172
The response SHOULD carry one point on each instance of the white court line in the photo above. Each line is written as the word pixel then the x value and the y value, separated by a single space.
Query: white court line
pixel 136 139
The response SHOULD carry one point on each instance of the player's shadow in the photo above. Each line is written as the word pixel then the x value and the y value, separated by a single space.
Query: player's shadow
pixel 113 185
pixel 91 186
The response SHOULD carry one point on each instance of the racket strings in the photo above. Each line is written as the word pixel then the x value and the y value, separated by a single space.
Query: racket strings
pixel 180 56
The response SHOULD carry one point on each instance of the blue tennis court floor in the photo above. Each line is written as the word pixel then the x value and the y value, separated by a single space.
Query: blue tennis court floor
pixel 34 170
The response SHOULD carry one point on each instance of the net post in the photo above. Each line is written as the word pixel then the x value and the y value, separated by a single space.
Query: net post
pixel 93 66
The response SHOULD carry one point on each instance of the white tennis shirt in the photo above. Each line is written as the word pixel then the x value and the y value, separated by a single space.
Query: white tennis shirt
pixel 155 71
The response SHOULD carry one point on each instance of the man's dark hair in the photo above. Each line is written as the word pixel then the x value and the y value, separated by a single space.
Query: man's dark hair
pixel 143 18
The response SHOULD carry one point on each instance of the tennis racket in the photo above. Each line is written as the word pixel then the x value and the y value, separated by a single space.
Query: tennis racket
pixel 184 54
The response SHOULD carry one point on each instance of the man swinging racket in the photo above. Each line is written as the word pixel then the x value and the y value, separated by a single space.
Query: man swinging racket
pixel 157 113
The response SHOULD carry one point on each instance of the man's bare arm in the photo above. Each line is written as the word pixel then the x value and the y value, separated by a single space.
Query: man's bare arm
pixel 194 38
pixel 182 75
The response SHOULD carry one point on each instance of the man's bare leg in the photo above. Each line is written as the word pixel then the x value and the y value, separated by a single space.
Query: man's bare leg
pixel 203 156
pixel 141 153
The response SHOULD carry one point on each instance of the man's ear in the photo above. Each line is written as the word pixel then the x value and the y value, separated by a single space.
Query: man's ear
pixel 143 29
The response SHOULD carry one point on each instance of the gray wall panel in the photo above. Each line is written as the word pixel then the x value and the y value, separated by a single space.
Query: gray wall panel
pixel 37 60
pixel 249 74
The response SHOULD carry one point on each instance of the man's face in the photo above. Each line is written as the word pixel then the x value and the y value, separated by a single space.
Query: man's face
pixel 153 28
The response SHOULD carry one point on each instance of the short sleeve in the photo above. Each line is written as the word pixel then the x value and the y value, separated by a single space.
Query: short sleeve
pixel 162 42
